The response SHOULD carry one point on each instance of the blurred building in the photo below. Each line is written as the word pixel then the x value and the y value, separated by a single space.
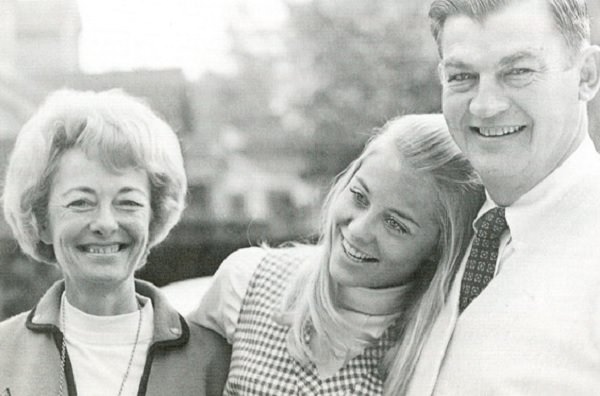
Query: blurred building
pixel 47 36
pixel 238 194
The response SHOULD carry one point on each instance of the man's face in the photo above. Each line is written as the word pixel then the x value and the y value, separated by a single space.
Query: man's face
pixel 511 96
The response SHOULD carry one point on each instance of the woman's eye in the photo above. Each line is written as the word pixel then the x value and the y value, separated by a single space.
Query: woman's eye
pixel 130 203
pixel 396 225
pixel 359 197
pixel 80 204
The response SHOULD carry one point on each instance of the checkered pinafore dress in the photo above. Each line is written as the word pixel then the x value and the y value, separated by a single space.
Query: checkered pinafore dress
pixel 260 362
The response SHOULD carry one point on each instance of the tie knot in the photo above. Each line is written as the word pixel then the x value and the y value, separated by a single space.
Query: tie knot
pixel 492 224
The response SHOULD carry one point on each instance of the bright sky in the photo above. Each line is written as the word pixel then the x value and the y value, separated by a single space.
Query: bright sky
pixel 190 34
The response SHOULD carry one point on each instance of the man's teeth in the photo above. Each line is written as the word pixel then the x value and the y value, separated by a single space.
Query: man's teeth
pixel 499 131
pixel 102 249
pixel 354 253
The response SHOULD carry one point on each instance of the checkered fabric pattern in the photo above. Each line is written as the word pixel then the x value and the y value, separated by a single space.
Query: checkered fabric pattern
pixel 261 364
pixel 481 264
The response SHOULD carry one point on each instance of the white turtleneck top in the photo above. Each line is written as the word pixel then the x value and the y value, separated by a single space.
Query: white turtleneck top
pixel 100 347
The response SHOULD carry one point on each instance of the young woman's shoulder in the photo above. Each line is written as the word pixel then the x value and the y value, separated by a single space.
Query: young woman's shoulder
pixel 250 258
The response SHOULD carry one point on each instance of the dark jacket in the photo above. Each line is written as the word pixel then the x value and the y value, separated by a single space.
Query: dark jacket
pixel 183 359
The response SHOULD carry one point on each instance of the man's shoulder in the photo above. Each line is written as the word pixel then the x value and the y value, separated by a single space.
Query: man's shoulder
pixel 16 322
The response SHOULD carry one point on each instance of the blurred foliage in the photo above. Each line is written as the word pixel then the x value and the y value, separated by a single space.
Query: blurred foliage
pixel 358 63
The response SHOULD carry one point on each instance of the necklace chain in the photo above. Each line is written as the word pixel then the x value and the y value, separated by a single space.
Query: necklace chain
pixel 63 348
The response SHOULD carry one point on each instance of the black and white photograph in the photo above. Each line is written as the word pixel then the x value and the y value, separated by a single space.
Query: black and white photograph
pixel 299 197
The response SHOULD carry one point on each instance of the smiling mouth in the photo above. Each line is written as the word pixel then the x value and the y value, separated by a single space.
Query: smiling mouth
pixel 355 254
pixel 497 131
pixel 102 249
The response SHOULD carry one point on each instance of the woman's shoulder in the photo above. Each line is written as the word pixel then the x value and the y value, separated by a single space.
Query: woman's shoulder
pixel 13 329
pixel 248 259
pixel 291 253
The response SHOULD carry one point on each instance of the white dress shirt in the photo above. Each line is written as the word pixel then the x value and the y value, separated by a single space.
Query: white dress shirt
pixel 535 329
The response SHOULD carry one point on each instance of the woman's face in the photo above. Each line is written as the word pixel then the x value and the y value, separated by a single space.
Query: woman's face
pixel 98 221
pixel 384 224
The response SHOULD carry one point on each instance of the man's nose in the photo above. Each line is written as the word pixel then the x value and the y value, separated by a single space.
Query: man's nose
pixel 104 223
pixel 489 100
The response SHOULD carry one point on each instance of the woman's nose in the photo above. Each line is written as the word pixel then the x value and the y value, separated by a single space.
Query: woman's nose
pixel 361 227
pixel 105 222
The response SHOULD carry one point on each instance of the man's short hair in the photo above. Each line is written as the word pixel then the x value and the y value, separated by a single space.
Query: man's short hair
pixel 570 16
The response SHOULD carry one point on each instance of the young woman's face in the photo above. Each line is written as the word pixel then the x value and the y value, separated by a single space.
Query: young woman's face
pixel 384 223
pixel 98 221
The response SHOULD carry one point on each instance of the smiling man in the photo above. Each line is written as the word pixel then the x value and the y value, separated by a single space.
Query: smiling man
pixel 523 314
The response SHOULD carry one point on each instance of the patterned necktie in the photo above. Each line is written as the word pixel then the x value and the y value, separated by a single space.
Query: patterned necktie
pixel 481 263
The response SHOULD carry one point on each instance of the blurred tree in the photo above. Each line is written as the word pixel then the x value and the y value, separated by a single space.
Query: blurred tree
pixel 357 63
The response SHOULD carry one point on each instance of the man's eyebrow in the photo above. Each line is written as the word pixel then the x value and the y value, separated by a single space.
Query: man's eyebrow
pixel 452 62
pixel 518 56
pixel 507 60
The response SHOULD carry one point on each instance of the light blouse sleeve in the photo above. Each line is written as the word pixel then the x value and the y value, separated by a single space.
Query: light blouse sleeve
pixel 220 307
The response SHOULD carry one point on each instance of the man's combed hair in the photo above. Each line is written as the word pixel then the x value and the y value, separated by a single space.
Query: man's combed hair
pixel 110 126
pixel 570 16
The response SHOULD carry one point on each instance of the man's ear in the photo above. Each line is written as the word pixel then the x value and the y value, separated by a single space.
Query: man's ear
pixel 589 81
pixel 440 73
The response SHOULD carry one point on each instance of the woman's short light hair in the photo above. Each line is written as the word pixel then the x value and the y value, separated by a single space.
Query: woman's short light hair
pixel 111 126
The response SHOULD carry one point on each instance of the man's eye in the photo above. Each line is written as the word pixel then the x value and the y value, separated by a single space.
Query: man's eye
pixel 460 77
pixel 519 71
pixel 519 76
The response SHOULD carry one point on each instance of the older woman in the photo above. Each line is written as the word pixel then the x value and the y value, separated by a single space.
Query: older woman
pixel 96 180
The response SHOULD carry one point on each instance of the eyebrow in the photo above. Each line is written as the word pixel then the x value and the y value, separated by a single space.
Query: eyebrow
pixel 397 212
pixel 455 63
pixel 89 190
pixel 518 56
pixel 507 60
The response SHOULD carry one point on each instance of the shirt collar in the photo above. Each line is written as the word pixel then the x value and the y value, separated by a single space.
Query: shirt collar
pixel 373 301
pixel 169 326
pixel 534 205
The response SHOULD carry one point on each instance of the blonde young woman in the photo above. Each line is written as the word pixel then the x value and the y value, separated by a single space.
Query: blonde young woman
pixel 320 319
pixel 94 182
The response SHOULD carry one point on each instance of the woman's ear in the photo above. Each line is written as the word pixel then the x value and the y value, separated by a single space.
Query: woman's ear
pixel 45 234
pixel 589 81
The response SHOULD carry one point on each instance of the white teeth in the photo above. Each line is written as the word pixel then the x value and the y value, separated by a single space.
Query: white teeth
pixel 498 131
pixel 102 249
pixel 354 253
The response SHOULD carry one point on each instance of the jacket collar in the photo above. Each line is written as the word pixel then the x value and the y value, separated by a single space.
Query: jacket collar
pixel 170 329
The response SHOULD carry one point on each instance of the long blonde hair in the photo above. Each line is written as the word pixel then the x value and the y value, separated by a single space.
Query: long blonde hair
pixel 310 304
